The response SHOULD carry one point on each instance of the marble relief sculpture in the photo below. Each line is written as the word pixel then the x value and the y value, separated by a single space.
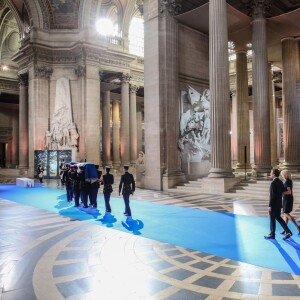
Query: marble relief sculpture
pixel 63 133
pixel 194 140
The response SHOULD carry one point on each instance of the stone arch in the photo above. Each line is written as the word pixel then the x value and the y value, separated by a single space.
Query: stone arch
pixel 130 12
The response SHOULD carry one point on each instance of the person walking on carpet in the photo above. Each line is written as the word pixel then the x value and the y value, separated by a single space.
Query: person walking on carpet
pixel 108 181
pixel 127 186
pixel 275 205
pixel 288 199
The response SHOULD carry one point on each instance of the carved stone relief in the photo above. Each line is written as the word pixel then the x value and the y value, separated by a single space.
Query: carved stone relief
pixel 63 133
pixel 194 141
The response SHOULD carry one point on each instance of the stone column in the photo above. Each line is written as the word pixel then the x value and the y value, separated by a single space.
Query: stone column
pixel 291 103
pixel 219 91
pixel 23 124
pixel 273 131
pixel 106 128
pixel 243 123
pixel 116 133
pixel 133 124
pixel 125 135
pixel 163 168
pixel 92 121
pixel 80 71
pixel 139 121
pixel 15 139
pixel 261 110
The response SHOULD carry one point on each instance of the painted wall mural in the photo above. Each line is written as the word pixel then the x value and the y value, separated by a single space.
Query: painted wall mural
pixel 63 13
pixel 194 140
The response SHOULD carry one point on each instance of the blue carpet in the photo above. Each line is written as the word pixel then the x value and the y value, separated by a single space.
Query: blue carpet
pixel 227 235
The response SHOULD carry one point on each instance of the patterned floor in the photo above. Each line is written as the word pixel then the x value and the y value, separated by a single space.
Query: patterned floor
pixel 50 257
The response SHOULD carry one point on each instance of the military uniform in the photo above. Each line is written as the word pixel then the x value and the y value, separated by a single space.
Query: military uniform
pixel 127 186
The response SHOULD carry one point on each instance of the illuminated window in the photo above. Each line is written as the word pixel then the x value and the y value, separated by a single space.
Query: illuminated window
pixel 107 27
pixel 136 36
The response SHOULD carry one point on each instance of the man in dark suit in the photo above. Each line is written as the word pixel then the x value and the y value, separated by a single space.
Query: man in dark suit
pixel 275 205
pixel 127 186
pixel 108 181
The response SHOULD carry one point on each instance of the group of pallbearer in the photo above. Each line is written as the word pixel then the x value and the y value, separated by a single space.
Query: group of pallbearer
pixel 83 180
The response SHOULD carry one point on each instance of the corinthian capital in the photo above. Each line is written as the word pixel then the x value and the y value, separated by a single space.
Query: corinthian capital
pixel 258 8
pixel 80 71
pixel 134 89
pixel 125 77
pixel 43 72
pixel 23 79
pixel 170 7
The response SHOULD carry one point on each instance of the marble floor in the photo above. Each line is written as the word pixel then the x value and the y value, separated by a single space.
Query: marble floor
pixel 51 257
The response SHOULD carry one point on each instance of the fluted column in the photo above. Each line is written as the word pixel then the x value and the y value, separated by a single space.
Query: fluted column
pixel 261 110
pixel 116 133
pixel 80 71
pixel 106 143
pixel 219 90
pixel 133 124
pixel 125 136
pixel 23 124
pixel 291 103
pixel 139 128
pixel 15 139
pixel 243 124
pixel 273 135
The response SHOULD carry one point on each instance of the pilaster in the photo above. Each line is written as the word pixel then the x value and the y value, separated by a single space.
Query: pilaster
pixel 23 125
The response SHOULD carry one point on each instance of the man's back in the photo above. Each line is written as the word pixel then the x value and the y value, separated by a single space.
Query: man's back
pixel 276 190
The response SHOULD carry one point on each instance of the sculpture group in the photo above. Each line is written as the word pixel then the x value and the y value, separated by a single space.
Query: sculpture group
pixel 63 133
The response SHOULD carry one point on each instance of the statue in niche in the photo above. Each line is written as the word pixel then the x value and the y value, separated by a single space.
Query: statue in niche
pixel 63 133
pixel 141 159
pixel 194 140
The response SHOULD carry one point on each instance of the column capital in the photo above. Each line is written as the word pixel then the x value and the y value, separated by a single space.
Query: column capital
pixel 134 89
pixel 80 71
pixel 23 79
pixel 258 8
pixel 125 77
pixel 170 7
pixel 41 71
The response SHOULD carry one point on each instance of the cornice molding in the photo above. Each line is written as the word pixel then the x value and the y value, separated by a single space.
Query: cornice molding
pixel 9 86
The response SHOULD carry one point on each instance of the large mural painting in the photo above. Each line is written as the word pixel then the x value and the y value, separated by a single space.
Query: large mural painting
pixel 63 13
pixel 194 141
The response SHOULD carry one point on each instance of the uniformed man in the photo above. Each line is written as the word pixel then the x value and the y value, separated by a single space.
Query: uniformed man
pixel 108 181
pixel 127 186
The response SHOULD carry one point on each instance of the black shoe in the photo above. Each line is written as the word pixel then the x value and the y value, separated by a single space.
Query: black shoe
pixel 85 206
pixel 282 232
pixel 287 236
pixel 269 236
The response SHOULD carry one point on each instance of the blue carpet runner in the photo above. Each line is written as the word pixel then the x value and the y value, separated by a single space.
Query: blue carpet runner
pixel 227 235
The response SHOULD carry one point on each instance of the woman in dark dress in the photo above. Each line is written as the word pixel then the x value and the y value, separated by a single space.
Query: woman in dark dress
pixel 288 199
